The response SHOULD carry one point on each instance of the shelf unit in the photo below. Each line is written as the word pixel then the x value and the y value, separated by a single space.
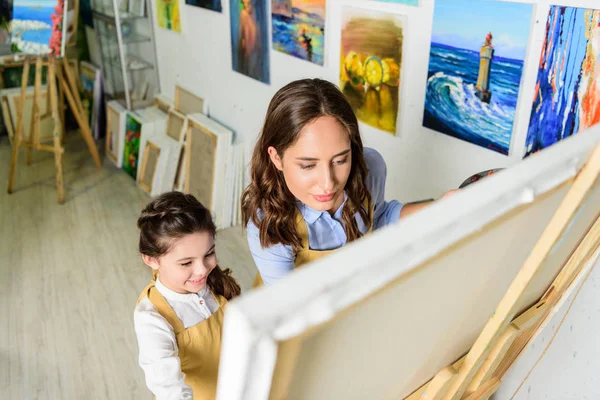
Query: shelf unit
pixel 128 53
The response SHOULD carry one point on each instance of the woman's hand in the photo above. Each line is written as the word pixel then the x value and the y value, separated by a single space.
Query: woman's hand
pixel 449 193
pixel 409 209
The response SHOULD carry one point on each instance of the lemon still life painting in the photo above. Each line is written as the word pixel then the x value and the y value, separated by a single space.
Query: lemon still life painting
pixel 371 65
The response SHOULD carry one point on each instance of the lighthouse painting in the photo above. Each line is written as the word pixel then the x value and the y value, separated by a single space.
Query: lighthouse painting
pixel 475 68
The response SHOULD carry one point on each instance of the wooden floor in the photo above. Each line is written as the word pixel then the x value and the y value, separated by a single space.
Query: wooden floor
pixel 70 276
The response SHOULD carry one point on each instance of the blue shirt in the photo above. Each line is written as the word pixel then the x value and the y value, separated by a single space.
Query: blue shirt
pixel 325 232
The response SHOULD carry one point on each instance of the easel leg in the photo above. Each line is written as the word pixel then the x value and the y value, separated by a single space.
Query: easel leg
pixel 56 136
pixel 76 108
pixel 34 126
pixel 62 109
pixel 19 131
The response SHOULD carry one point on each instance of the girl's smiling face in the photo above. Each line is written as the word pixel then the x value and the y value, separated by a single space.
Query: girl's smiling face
pixel 186 266
pixel 317 166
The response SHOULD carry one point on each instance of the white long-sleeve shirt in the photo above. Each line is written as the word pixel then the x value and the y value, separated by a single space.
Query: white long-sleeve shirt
pixel 159 354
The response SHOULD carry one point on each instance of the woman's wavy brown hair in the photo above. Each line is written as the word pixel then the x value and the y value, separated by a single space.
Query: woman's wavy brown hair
pixel 171 216
pixel 291 109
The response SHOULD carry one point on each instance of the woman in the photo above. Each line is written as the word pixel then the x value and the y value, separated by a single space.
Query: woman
pixel 313 185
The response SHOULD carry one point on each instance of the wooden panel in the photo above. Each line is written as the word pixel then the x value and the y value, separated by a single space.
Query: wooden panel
pixel 175 124
pixel 149 163
pixel 7 118
pixel 200 158
pixel 113 120
pixel 188 103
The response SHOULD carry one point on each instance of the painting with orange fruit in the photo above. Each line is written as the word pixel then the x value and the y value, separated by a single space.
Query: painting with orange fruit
pixel 371 65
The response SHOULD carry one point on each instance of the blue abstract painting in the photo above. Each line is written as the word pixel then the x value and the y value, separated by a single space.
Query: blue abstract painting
pixel 250 38
pixel 475 67
pixel 567 92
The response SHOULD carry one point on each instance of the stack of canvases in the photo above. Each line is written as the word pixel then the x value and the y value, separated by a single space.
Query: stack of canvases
pixel 137 143
pixel 176 146
pixel 212 169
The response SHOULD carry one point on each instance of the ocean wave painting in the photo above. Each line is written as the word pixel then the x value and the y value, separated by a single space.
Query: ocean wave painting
pixel 567 94
pixel 475 68
pixel 299 28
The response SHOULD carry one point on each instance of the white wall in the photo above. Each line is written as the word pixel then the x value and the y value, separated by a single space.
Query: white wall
pixel 569 370
pixel 421 163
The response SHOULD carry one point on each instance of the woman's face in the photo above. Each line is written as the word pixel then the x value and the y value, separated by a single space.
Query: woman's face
pixel 317 166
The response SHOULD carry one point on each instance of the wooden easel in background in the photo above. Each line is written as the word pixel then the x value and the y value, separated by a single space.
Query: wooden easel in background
pixel 60 83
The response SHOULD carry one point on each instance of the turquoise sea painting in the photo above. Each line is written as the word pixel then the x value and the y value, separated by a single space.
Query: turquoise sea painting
pixel 32 25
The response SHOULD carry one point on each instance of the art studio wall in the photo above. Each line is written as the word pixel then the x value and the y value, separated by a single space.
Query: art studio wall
pixel 422 161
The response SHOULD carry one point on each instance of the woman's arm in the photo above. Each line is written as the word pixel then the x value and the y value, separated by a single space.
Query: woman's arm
pixel 412 208
pixel 159 355
pixel 273 262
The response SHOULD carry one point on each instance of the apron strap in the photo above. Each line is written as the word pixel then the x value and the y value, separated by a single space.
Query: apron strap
pixel 164 309
pixel 302 229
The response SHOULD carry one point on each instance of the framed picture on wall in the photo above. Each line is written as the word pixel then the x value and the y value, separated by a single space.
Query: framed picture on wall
pixel 213 5
pixel 249 24
pixel 371 67
pixel 475 67
pixel 567 95
pixel 299 28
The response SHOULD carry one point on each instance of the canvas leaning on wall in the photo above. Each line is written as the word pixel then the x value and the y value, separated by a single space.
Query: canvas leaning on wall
pixel 371 65
pixel 475 67
pixel 567 92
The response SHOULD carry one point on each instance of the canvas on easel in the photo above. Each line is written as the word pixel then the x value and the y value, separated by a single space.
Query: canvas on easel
pixel 415 297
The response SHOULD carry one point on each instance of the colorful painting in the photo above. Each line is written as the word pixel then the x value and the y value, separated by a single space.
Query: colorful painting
pixel 250 38
pixel 567 93
pixel 91 97
pixel 299 28
pixel 214 5
pixel 167 14
pixel 371 65
pixel 32 25
pixel 133 131
pixel 475 68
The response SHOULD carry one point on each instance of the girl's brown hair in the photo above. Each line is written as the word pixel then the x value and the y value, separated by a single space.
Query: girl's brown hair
pixel 171 216
pixel 293 107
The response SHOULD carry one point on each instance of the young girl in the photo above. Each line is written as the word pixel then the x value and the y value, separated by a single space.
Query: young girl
pixel 179 315
pixel 313 185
